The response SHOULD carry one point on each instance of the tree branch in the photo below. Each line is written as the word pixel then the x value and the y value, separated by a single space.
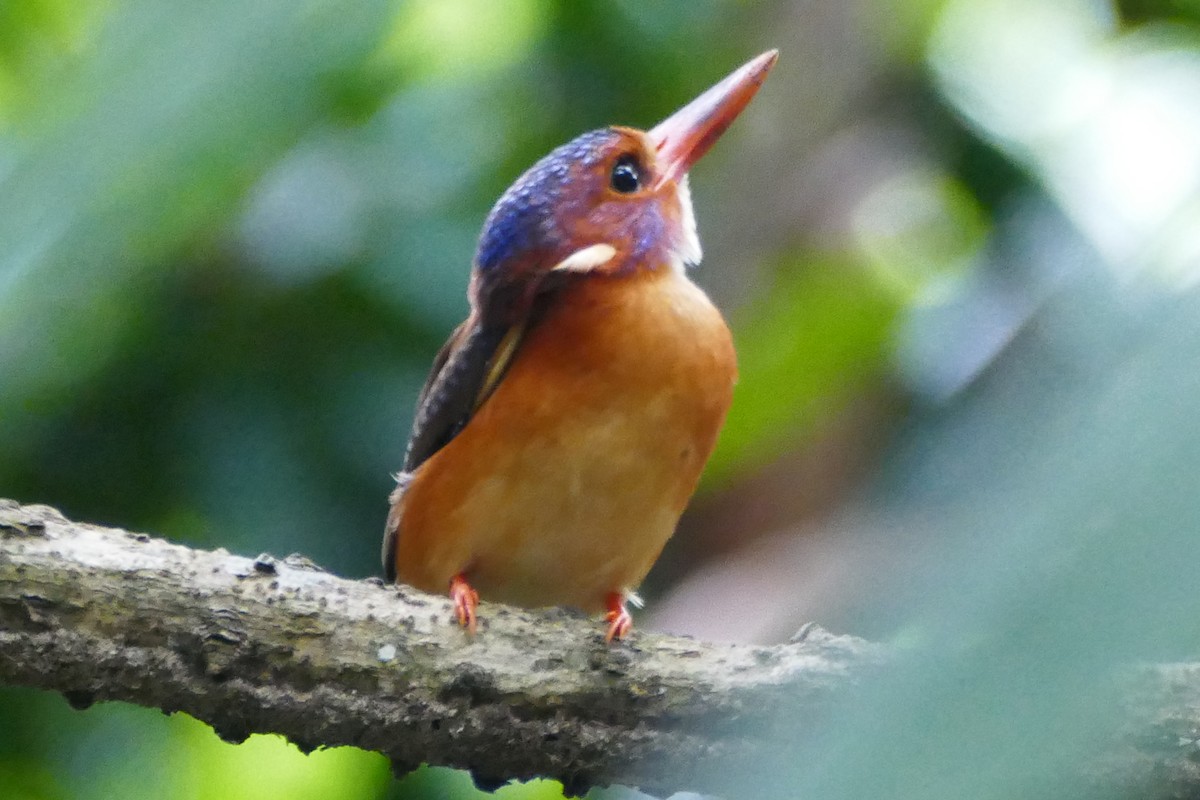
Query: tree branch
pixel 266 646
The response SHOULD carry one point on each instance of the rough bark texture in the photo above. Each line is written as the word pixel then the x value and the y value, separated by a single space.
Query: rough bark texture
pixel 260 645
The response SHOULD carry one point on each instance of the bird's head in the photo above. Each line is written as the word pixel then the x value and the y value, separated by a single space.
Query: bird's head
pixel 610 202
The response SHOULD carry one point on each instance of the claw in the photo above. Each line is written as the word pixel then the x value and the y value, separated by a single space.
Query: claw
pixel 466 600
pixel 618 619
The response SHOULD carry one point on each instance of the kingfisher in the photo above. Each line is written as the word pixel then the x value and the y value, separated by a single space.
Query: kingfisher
pixel 564 425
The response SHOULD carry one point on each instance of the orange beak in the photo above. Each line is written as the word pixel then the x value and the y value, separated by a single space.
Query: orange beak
pixel 682 138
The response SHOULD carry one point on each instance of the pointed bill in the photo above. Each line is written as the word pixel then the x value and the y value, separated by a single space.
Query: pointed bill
pixel 686 135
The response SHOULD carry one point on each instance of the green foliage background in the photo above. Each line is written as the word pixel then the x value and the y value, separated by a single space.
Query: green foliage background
pixel 957 240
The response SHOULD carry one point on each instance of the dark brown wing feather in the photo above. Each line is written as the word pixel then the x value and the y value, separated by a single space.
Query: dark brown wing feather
pixel 464 373
pixel 448 397
pixel 468 368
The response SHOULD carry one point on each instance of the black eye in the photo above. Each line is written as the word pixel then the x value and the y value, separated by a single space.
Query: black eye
pixel 626 177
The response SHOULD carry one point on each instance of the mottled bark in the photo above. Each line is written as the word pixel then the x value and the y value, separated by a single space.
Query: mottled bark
pixel 260 645
pixel 267 646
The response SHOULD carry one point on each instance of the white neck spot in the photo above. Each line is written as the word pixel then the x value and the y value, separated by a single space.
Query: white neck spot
pixel 687 249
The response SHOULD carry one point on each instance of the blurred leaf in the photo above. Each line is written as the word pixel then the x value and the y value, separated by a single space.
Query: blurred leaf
pixel 921 231
pixel 903 28
pixel 461 38
pixel 268 766
pixel 141 151
pixel 453 784
pixel 28 779
pixel 1051 515
pixel 820 335
pixel 1138 11
pixel 39 38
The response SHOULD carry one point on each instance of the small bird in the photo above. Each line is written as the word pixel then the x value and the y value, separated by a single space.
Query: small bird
pixel 565 424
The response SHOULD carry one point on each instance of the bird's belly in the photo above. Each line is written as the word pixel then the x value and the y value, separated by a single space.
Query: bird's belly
pixel 582 510
pixel 571 477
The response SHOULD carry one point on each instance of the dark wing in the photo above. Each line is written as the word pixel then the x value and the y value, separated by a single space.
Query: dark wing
pixel 465 371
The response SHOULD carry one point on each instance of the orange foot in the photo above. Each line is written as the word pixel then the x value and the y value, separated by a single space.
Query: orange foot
pixel 466 600
pixel 618 619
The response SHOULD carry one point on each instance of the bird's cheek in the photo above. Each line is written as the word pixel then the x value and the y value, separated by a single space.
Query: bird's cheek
pixel 650 235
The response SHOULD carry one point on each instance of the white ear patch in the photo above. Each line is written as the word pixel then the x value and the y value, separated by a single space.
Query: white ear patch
pixel 587 259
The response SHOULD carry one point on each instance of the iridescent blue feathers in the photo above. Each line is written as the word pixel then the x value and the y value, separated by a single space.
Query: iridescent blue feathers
pixel 522 223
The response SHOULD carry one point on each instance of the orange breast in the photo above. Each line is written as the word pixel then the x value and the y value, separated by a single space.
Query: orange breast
pixel 570 478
